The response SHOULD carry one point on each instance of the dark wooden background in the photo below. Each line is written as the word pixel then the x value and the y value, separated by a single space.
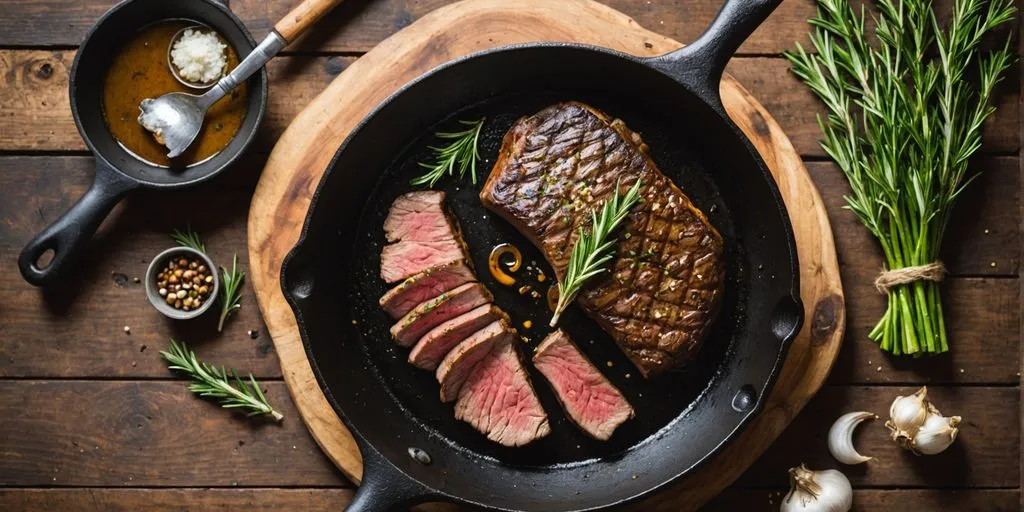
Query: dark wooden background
pixel 90 418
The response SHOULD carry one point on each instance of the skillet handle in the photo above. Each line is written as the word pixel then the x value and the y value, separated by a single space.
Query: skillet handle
pixel 384 487
pixel 700 64
pixel 71 233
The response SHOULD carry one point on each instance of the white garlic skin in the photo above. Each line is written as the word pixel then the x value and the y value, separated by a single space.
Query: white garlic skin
pixel 907 413
pixel 840 437
pixel 817 491
pixel 937 434
pixel 918 426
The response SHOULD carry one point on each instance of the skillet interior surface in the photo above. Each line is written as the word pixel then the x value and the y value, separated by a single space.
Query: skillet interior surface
pixel 332 280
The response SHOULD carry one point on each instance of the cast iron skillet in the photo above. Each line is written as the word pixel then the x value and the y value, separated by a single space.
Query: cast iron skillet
pixel 413 449
pixel 117 171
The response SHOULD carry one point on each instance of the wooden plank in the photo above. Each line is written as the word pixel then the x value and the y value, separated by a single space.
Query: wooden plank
pixel 314 500
pixel 796 108
pixel 983 327
pixel 864 500
pixel 34 102
pixel 123 434
pixel 984 234
pixel 74 334
pixel 985 453
pixel 155 433
pixel 78 328
pixel 358 26
pixel 131 500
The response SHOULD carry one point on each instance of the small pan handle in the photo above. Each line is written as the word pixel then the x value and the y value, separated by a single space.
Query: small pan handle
pixel 69 234
pixel 700 64
pixel 384 487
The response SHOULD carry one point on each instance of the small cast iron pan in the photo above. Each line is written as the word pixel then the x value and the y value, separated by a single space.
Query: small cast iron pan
pixel 413 449
pixel 117 171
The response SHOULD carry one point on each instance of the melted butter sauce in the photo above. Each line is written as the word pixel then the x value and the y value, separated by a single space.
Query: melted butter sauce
pixel 140 71
pixel 494 263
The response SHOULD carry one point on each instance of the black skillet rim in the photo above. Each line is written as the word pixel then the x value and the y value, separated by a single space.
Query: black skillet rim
pixel 784 342
pixel 231 159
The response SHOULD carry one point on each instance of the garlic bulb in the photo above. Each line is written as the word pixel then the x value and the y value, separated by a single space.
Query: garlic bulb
pixel 937 433
pixel 907 413
pixel 840 437
pixel 918 426
pixel 817 491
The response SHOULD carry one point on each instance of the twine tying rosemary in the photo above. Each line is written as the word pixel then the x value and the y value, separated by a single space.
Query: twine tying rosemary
pixel 889 279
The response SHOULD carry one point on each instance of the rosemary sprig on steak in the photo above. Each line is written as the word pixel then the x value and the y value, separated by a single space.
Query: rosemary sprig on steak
pixel 461 155
pixel 904 119
pixel 593 249
pixel 223 385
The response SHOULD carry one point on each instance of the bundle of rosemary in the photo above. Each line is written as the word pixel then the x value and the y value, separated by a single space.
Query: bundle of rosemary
pixel 905 116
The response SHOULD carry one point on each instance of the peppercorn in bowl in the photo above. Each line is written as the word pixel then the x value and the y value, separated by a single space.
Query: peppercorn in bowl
pixel 182 283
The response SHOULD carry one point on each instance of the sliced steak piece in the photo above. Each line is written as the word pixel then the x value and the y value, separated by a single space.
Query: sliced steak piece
pixel 593 403
pixel 666 281
pixel 433 312
pixel 439 341
pixel 422 236
pixel 459 363
pixel 423 286
pixel 499 401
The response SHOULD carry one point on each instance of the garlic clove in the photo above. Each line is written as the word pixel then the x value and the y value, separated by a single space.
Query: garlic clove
pixel 907 414
pixel 840 437
pixel 917 425
pixel 814 491
pixel 937 434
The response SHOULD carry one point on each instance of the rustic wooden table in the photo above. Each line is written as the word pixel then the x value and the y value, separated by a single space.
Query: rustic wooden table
pixel 92 420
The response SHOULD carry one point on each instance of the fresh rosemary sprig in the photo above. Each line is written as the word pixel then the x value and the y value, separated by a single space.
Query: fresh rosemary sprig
pixel 593 249
pixel 461 155
pixel 188 238
pixel 223 385
pixel 902 126
pixel 231 296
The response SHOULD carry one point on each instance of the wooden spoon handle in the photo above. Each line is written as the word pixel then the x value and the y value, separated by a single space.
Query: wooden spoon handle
pixel 302 17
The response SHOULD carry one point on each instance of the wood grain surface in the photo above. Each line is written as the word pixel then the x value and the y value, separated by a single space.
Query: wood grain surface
pixel 327 500
pixel 38 79
pixel 64 346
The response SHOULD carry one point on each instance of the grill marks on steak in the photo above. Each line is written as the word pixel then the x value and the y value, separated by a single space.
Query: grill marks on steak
pixel 666 280
pixel 593 403
pixel 442 306
pixel 498 399
pixel 421 236
pixel 433 312
pixel 424 286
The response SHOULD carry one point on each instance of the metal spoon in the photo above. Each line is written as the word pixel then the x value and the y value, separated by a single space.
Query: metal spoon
pixel 176 118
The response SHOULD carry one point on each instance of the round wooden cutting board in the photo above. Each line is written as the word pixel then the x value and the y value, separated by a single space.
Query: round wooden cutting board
pixel 307 146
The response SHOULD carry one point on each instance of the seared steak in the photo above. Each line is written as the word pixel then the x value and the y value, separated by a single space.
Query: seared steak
pixel 593 403
pixel 440 340
pixel 666 281
pixel 421 236
pixel 433 312
pixel 459 363
pixel 498 400
pixel 426 285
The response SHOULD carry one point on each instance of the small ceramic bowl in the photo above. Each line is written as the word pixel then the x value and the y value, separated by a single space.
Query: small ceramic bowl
pixel 152 291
